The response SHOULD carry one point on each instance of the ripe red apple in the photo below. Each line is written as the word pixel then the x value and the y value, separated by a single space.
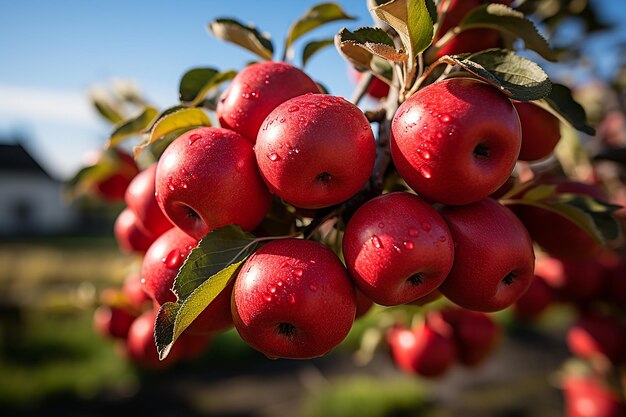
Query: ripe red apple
pixel 594 335
pixel 113 186
pixel 447 144
pixel 140 199
pixel 572 280
pixel 557 235
pixel 134 293
pixel 159 269
pixel 535 300
pixel 141 347
pixel 397 248
pixel 475 334
pixel 293 298
pixel 315 150
pixel 363 304
pixel 112 321
pixel 422 350
pixel 256 91
pixel 493 256
pixel 590 397
pixel 541 131
pixel 377 88
pixel 208 178
pixel 129 235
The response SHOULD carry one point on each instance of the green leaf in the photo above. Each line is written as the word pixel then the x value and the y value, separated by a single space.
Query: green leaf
pixel 315 17
pixel 313 47
pixel 217 250
pixel 511 22
pixel 107 109
pixel 174 120
pixel 108 163
pixel 413 21
pixel 197 82
pixel 133 126
pixel 519 78
pixel 560 100
pixel 540 192
pixel 373 40
pixel 248 37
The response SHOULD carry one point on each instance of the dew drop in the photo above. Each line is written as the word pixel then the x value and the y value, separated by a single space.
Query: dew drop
pixel 293 109
pixel 267 297
pixel 297 272
pixel 312 262
pixel 381 225
pixel 171 186
pixel 291 299
pixel 376 242
pixel 425 173
pixel 271 288
pixel 273 157
pixel 445 118
pixel 408 245
pixel 184 185
pixel 279 283
pixel 426 226
pixel 143 280
pixel 313 287
pixel 194 137
pixel 285 264
pixel 413 232
pixel 173 259
pixel 282 120
pixel 426 155
pixel 397 249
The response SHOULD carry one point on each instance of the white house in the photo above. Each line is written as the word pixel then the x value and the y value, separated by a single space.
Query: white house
pixel 31 201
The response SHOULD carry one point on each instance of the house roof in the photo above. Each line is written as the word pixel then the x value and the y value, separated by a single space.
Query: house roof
pixel 14 158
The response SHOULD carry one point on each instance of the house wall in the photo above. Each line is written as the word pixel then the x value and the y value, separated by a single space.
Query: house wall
pixel 33 204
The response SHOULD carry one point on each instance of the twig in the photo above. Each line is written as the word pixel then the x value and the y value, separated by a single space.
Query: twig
pixel 361 88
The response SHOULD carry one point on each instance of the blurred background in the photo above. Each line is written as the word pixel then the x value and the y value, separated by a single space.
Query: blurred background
pixel 58 253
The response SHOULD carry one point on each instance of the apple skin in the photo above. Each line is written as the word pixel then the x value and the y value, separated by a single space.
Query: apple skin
pixel 307 150
pixel 475 334
pixel 130 236
pixel 159 269
pixel 448 146
pixel 397 248
pixel 114 186
pixel 377 88
pixel 140 199
pixel 541 131
pixel 363 304
pixel 422 350
pixel 132 288
pixel 587 396
pixel 293 298
pixel 112 321
pixel 208 178
pixel 535 300
pixel 493 258
pixel 557 235
pixel 594 335
pixel 256 91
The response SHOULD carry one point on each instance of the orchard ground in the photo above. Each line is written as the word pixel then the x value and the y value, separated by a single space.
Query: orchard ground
pixel 53 364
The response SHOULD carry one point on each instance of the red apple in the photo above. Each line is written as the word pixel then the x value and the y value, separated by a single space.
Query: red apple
pixel 590 397
pixel 141 347
pixel 315 150
pixel 541 131
pixel 112 321
pixel 159 269
pixel 570 279
pixel 377 88
pixel 256 91
pixel 113 186
pixel 475 334
pixel 397 248
pixel 130 236
pixel 293 298
pixel 594 335
pixel 134 293
pixel 556 234
pixel 140 199
pixel 448 146
pixel 422 350
pixel 535 300
pixel 363 304
pixel 208 178
pixel 493 256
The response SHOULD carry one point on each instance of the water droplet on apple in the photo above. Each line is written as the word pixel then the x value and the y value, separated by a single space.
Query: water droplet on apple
pixel 297 272
pixel 445 118
pixel 143 280
pixel 313 287
pixel 381 225
pixel 426 154
pixel 426 226
pixel 271 288
pixel 194 137
pixel 173 259
pixel 376 242
pixel 279 283
pixel 293 109
pixel 408 245
pixel 184 185
pixel 291 299
pixel 273 157
pixel 413 232
pixel 425 173
pixel 267 297
pixel 396 248
pixel 312 261
pixel 282 120
pixel 285 264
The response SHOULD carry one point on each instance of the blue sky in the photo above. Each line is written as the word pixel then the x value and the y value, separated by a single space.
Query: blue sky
pixel 53 52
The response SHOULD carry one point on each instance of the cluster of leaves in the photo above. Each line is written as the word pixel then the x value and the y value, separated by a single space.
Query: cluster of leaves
pixel 400 50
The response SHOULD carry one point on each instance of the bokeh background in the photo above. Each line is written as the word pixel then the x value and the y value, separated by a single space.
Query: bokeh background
pixel 56 255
